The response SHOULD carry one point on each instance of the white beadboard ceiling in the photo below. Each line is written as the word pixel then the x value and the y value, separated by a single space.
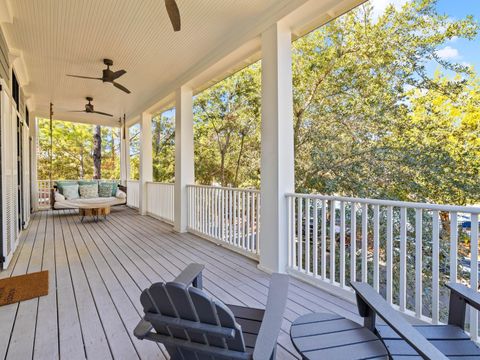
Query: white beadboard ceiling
pixel 59 37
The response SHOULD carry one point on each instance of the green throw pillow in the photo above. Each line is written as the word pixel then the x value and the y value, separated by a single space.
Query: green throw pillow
pixel 62 183
pixel 70 191
pixel 114 186
pixel 88 191
pixel 105 189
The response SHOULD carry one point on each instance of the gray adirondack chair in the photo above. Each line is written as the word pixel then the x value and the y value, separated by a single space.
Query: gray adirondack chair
pixel 191 325
pixel 406 341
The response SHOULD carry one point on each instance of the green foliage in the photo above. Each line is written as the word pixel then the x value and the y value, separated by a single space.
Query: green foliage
pixel 163 147
pixel 359 126
pixel 134 140
pixel 72 156
pixel 227 131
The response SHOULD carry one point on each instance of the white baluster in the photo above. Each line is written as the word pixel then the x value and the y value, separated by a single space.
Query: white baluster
pixel 389 279
pixel 353 243
pixel 435 269
pixel 376 247
pixel 403 259
pixel 418 262
pixel 315 237
pixel 364 242
pixel 332 241
pixel 342 243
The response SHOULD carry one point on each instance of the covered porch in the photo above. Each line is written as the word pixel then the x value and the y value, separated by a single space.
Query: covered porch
pixel 97 272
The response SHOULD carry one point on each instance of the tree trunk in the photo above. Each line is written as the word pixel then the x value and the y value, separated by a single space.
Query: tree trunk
pixel 82 165
pixel 97 152
pixel 222 168
pixel 157 136
pixel 113 147
pixel 239 159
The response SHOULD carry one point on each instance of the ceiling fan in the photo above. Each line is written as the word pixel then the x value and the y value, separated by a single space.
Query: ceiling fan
pixel 173 14
pixel 89 109
pixel 107 76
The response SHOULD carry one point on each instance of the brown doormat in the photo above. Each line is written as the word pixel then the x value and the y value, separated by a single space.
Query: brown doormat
pixel 23 287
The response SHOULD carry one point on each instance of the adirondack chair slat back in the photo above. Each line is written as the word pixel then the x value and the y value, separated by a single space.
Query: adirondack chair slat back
pixel 175 300
pixel 207 315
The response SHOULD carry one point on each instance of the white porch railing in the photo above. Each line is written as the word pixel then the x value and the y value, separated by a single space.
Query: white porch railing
pixel 160 200
pixel 406 251
pixel 133 193
pixel 227 216
pixel 43 190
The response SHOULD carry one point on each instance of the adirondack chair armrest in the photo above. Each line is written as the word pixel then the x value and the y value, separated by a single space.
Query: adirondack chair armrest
pixel 468 295
pixel 370 304
pixel 460 296
pixel 192 274
pixel 272 319
pixel 142 329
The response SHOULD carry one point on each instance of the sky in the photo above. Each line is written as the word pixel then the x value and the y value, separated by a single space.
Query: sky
pixel 458 50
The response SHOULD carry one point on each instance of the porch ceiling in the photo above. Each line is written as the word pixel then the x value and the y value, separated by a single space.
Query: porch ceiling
pixel 57 37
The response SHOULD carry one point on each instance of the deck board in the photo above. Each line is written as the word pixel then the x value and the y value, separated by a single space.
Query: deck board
pixel 97 272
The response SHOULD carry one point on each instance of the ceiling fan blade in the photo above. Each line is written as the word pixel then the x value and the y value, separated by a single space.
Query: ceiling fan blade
pixel 121 87
pixel 101 113
pixel 173 14
pixel 84 77
pixel 118 73
pixel 76 111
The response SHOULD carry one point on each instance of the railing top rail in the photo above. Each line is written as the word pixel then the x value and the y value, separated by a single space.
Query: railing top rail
pixel 160 183
pixel 404 204
pixel 224 188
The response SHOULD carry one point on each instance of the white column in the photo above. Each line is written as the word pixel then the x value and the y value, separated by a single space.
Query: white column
pixel 124 155
pixel 277 162
pixel 146 167
pixel 33 170
pixel 184 164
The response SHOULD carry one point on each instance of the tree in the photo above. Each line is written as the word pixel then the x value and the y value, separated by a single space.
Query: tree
pixel 73 151
pixel 227 130
pixel 163 138
pixel 97 152
pixel 353 82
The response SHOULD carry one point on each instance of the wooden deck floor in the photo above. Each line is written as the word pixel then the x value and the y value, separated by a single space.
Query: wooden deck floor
pixel 97 271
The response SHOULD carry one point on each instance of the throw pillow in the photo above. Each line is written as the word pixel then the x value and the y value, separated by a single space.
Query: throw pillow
pixel 105 189
pixel 59 197
pixel 88 191
pixel 70 192
pixel 114 187
pixel 60 184
pixel 121 195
